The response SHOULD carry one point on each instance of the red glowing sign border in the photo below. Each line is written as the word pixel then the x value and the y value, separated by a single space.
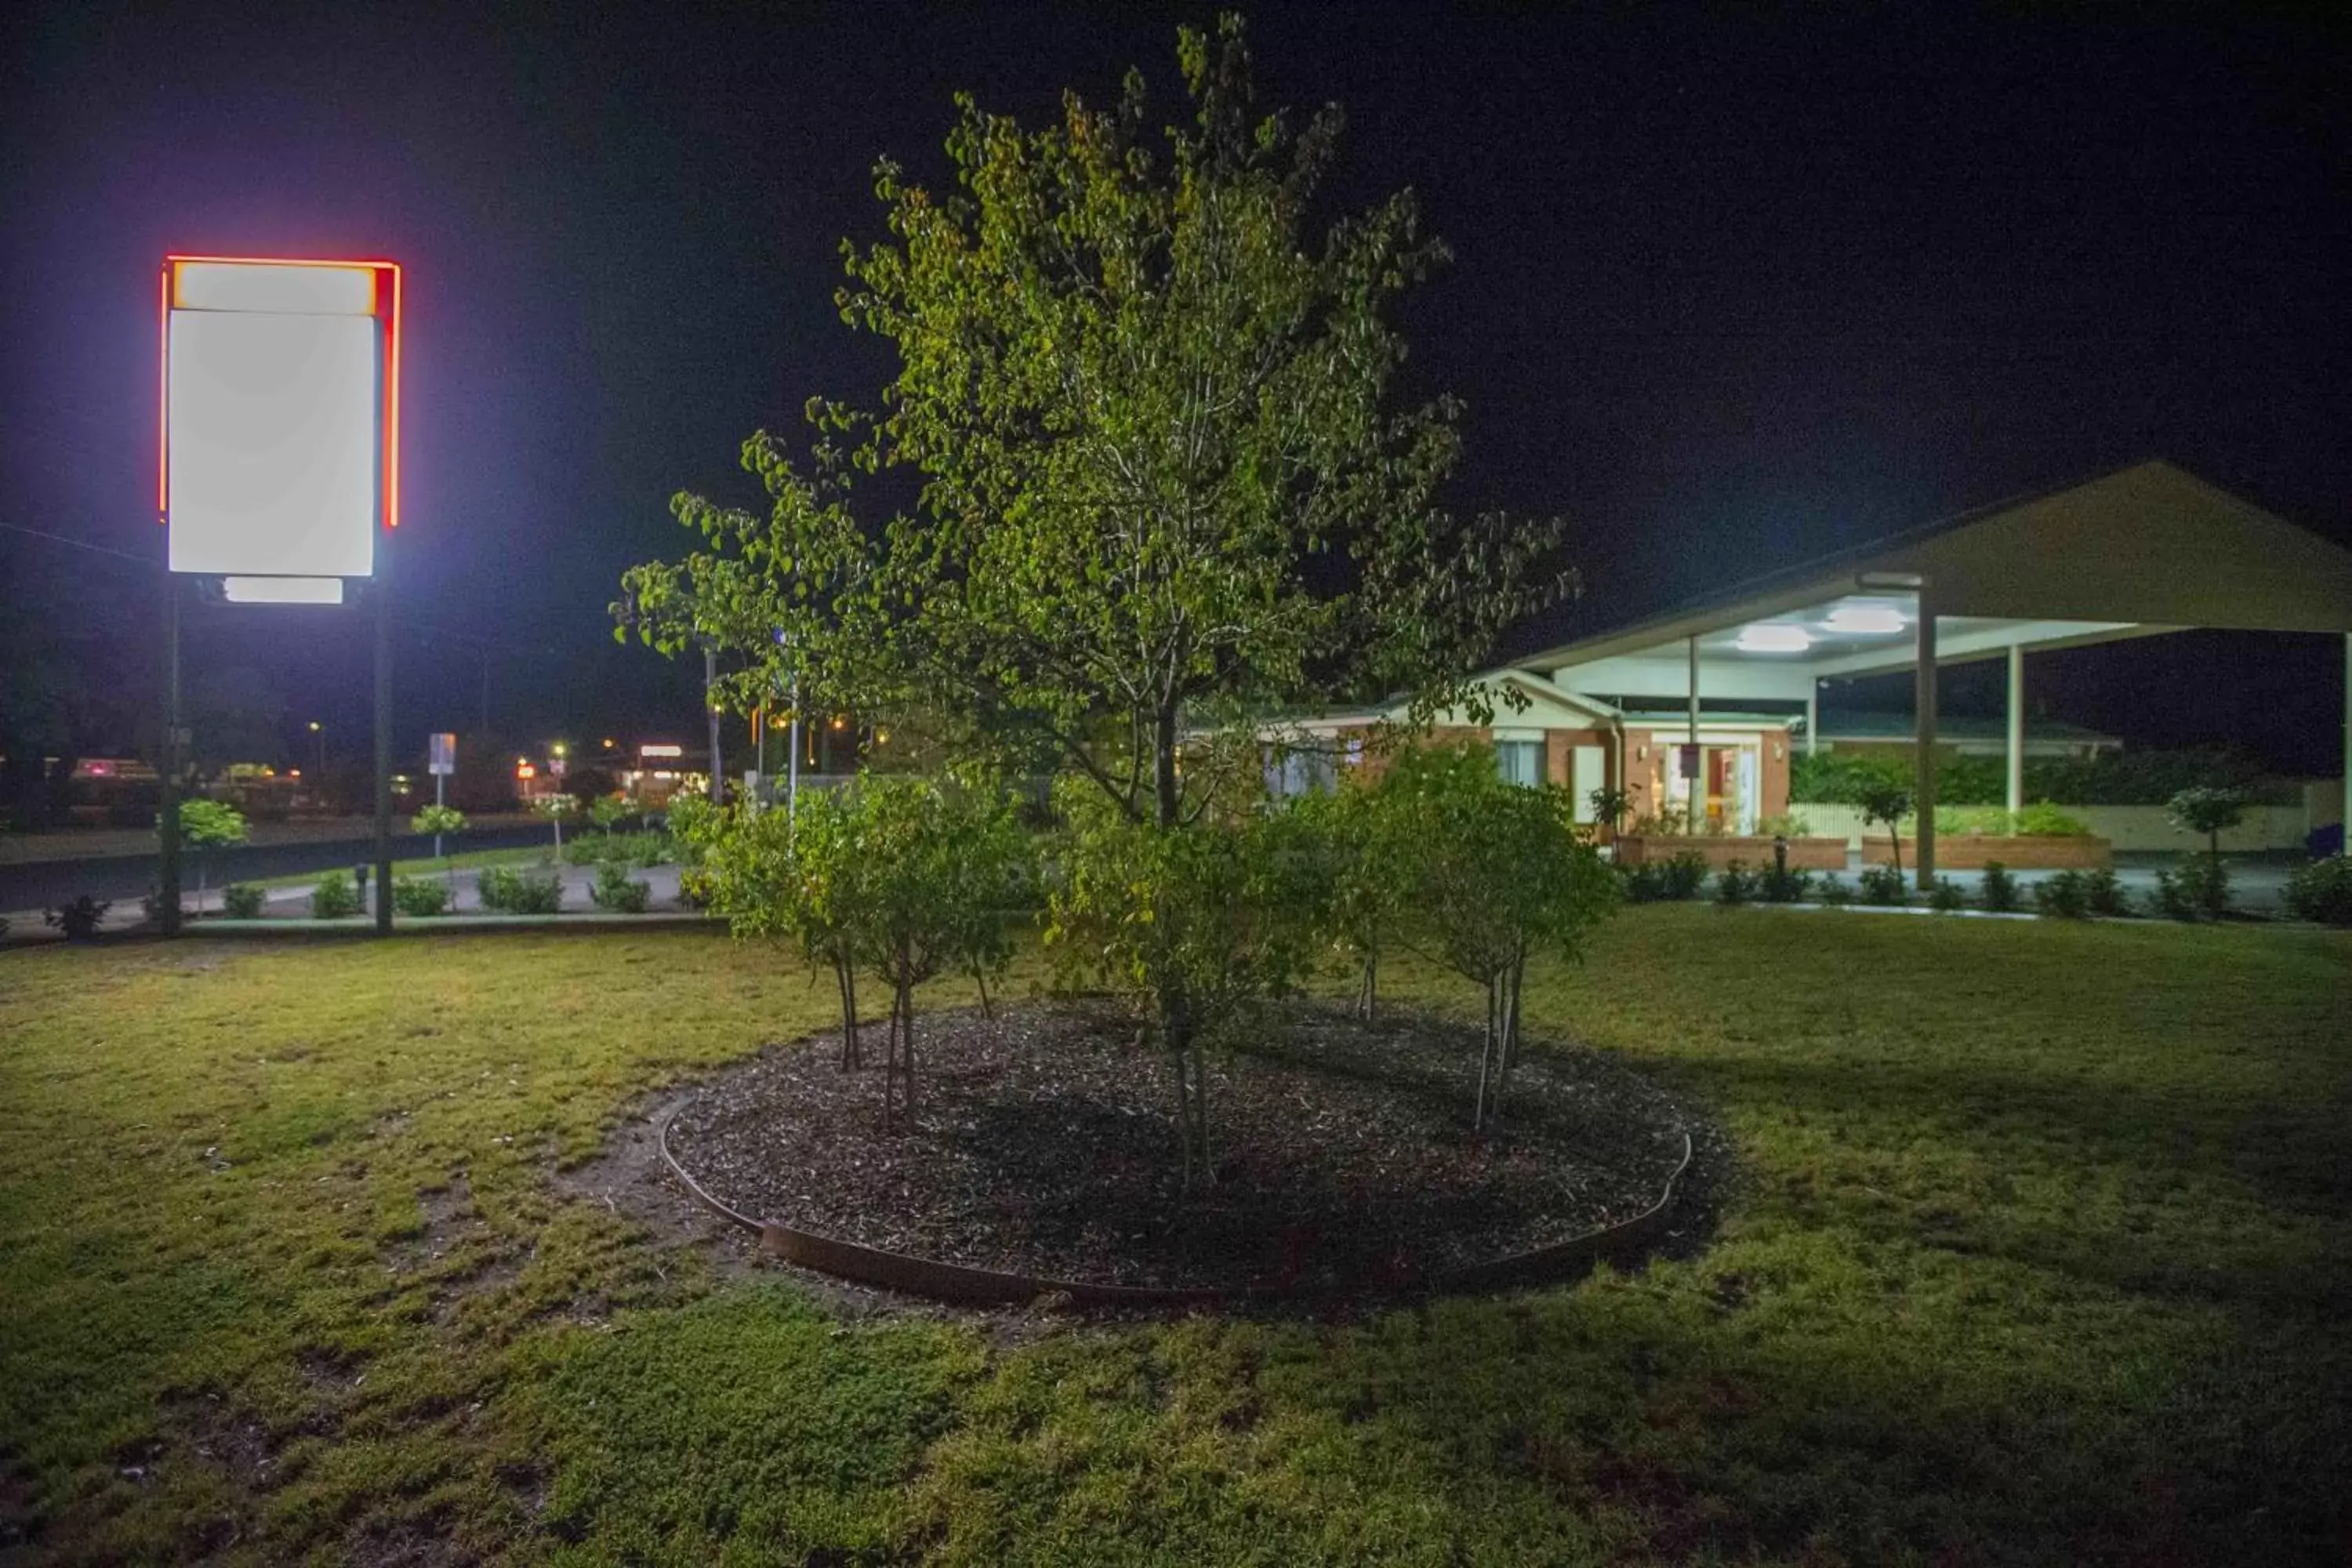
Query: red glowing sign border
pixel 387 307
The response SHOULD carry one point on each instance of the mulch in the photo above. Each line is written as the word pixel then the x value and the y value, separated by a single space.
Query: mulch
pixel 1043 1143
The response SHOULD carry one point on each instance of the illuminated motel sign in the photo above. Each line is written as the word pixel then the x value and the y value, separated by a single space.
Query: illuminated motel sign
pixel 280 444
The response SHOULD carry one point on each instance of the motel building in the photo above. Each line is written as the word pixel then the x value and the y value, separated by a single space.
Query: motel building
pixel 1698 710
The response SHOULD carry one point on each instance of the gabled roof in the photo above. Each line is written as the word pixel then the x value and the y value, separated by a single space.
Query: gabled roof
pixel 2146 548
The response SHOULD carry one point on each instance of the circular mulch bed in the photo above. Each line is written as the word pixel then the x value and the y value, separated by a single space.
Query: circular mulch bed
pixel 1043 1143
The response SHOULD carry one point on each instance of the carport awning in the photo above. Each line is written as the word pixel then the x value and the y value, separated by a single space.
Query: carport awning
pixel 2149 549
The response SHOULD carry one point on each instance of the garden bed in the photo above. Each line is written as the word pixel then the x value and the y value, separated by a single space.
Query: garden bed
pixel 1042 1144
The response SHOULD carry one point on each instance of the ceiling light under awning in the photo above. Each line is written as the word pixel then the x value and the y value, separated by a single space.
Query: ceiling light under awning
pixel 1865 619
pixel 1774 636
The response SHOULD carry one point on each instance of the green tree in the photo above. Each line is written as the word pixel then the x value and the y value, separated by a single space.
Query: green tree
pixel 1494 872
pixel 207 824
pixel 1167 487
pixel 605 810
pixel 2207 810
pixel 1358 826
pixel 1883 800
pixel 1609 804
pixel 439 820
pixel 555 808
pixel 1189 924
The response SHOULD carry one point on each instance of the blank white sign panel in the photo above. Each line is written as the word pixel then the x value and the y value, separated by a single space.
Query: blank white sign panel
pixel 274 443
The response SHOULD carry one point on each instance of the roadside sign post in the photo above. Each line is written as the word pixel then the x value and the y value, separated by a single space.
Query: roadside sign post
pixel 441 762
pixel 277 476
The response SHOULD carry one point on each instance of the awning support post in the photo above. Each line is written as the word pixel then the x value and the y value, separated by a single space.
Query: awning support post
pixel 1924 789
pixel 2016 796
pixel 1813 718
pixel 2346 840
pixel 1693 798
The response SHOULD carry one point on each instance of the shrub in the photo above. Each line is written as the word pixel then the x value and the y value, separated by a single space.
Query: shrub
pixel 625 849
pixel 78 920
pixel 2322 892
pixel 420 896
pixel 2103 895
pixel 2200 887
pixel 1832 893
pixel 1656 881
pixel 522 890
pixel 1884 885
pixel 1786 824
pixel 2042 819
pixel 1946 897
pixel 1780 884
pixel 1736 885
pixel 150 906
pixel 335 898
pixel 2062 894
pixel 242 901
pixel 613 890
pixel 1998 893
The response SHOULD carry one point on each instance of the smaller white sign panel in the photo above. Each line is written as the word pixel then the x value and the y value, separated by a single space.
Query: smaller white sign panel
pixel 444 754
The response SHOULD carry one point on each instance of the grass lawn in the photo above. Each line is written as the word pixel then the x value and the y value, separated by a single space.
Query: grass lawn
pixel 471 860
pixel 2041 1250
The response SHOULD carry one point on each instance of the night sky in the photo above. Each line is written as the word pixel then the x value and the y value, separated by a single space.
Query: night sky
pixel 1729 290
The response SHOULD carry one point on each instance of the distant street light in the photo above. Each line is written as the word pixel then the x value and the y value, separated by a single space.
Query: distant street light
pixel 319 732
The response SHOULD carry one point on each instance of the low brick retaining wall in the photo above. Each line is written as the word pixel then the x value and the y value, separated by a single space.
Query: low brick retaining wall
pixel 2024 852
pixel 1719 850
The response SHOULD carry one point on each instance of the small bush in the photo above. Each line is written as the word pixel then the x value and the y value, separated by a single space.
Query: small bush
pixel 1884 885
pixel 614 890
pixel 2042 819
pixel 1654 881
pixel 78 920
pixel 2322 892
pixel 2062 894
pixel 2104 896
pixel 1999 893
pixel 242 901
pixel 2202 885
pixel 150 905
pixel 522 890
pixel 1946 897
pixel 1736 885
pixel 420 896
pixel 335 898
pixel 1779 884
pixel 1832 893
pixel 1786 824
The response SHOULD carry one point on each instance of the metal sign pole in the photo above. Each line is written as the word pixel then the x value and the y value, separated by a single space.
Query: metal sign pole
pixel 383 744
pixel 168 824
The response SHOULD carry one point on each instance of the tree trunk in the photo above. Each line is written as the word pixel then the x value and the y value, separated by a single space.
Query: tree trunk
pixel 1165 800
pixel 1201 1119
pixel 847 977
pixel 981 977
pixel 1485 1060
pixel 906 1035
pixel 1369 1004
pixel 1183 1118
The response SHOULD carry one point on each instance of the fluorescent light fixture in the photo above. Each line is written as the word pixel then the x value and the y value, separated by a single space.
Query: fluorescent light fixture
pixel 1774 636
pixel 1865 619
pixel 283 591
pixel 274 289
pixel 274 443
pixel 661 751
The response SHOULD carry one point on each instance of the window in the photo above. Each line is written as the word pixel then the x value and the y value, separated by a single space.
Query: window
pixel 1520 762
